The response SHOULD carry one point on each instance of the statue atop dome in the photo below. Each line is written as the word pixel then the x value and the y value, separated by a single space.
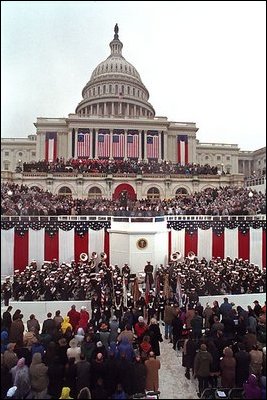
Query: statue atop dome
pixel 116 30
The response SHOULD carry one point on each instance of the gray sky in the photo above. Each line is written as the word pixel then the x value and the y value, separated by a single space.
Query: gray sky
pixel 202 62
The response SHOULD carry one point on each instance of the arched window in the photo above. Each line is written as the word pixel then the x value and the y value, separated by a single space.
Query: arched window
pixel 181 191
pixel 104 89
pixel 94 193
pixel 153 193
pixel 64 191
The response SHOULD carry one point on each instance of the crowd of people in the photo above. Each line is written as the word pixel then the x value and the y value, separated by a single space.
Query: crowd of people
pixel 79 280
pixel 229 200
pixel 117 166
pixel 116 355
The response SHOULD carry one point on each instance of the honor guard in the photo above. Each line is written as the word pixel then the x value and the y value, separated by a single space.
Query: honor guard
pixel 118 305
pixel 160 306
pixel 149 274
pixel 151 306
pixel 126 274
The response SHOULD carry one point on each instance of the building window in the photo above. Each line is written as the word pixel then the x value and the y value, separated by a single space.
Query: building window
pixel 110 88
pixel 153 193
pixel 180 191
pixel 228 158
pixel 65 191
pixel 206 157
pixel 33 153
pixel 218 158
pixel 6 166
pixel 20 154
pixel 94 193
pixel 104 89
pixel 128 89
pixel 6 153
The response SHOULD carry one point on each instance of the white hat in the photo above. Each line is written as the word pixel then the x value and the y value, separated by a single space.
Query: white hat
pixel 140 319
pixel 99 344
pixel 11 391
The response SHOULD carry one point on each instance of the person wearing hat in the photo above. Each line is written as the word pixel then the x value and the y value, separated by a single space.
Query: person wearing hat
pixel 140 329
pixel 160 301
pixel 149 274
pixel 202 368
pixel 257 308
pixel 118 305
pixel 151 306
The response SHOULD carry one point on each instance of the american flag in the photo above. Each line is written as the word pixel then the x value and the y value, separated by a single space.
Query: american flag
pixel 83 144
pixel 152 146
pixel 182 149
pixel 103 144
pixel 133 145
pixel 118 144
pixel 51 146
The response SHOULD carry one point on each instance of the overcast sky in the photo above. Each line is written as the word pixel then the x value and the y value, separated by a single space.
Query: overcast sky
pixel 202 62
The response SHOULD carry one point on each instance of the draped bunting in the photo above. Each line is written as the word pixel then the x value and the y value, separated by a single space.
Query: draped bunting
pixel 233 243
pixel 61 245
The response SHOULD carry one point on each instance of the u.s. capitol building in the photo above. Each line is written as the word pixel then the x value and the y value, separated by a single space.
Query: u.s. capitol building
pixel 115 121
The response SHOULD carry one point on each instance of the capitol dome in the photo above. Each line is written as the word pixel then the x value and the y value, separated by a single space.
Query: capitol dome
pixel 115 88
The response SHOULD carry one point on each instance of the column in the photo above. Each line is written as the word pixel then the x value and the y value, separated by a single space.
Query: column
pixel 165 146
pixel 75 142
pixel 112 109
pixel 91 144
pixel 105 109
pixel 128 110
pixel 243 166
pixel 125 145
pixel 96 143
pixel 134 110
pixel 110 144
pixel 140 146
pixel 97 109
pixel 69 151
pixel 145 146
pixel 120 108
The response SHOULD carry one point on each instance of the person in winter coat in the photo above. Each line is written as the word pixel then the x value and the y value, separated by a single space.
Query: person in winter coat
pixel 79 336
pixel 242 365
pixel 21 379
pixel 119 393
pixel 228 368
pixel 215 366
pixel 56 375
pixel 188 356
pixel 207 313
pixel 84 318
pixel 10 358
pixel 83 369
pixel 74 317
pixel 88 347
pixel 169 314
pixel 140 329
pixel 38 376
pixel 98 369
pixel 152 368
pixel 196 324
pixel 113 326
pixel 65 325
pixel 202 366
pixel 74 350
pixel 124 347
pixel 155 336
pixel 177 329
pixel 145 348
pixel 139 375
pixel 33 323
pixel 251 388
pixel 4 341
pixel 65 393
pixel 16 331
pixel 256 361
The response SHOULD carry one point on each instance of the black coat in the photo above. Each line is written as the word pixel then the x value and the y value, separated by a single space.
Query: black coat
pixel 139 377
pixel 83 369
pixel 112 373
pixel 188 358
pixel 155 338
pixel 242 367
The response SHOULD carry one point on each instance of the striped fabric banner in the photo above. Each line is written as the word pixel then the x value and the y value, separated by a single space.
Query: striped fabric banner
pixel 231 243
pixel 182 149
pixel 103 145
pixel 152 144
pixel 21 249
pixel 83 143
pixel 118 141
pixel 50 146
